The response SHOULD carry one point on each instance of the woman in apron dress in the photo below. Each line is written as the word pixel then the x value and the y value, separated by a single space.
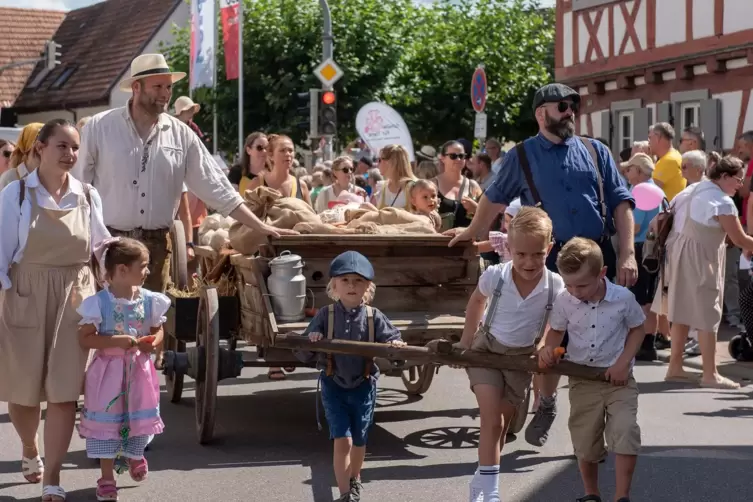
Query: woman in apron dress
pixel 692 282
pixel 49 222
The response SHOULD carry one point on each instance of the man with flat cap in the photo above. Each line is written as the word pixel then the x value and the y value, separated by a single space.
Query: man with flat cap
pixel 576 182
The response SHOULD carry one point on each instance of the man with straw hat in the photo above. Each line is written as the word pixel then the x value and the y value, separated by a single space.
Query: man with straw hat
pixel 138 157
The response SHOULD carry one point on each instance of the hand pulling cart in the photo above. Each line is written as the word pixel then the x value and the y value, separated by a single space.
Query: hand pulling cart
pixel 422 286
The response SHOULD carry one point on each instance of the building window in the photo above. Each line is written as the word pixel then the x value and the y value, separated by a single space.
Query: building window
pixel 690 115
pixel 63 78
pixel 625 130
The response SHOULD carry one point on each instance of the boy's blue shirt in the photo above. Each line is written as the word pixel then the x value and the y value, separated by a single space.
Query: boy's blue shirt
pixel 350 324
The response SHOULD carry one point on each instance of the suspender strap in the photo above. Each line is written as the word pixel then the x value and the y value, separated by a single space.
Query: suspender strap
pixel 602 202
pixel 330 336
pixel 493 304
pixel 526 167
pixel 372 338
pixel 549 303
pixel 22 192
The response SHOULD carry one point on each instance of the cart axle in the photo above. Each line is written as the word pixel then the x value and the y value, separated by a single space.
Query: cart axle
pixel 192 363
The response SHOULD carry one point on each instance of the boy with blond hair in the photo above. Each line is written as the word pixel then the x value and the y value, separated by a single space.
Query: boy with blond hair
pixel 605 326
pixel 521 294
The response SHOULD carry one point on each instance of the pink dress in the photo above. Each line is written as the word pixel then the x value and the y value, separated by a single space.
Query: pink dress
pixel 122 390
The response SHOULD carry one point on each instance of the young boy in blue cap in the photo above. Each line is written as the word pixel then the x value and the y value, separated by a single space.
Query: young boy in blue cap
pixel 349 382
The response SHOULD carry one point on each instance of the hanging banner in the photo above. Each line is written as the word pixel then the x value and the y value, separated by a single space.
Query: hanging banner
pixel 380 125
pixel 229 13
pixel 203 26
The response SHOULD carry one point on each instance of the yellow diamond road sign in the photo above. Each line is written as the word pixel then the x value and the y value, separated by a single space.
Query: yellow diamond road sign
pixel 328 72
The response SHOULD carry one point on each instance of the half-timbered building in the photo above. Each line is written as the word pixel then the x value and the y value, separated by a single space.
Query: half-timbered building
pixel 636 62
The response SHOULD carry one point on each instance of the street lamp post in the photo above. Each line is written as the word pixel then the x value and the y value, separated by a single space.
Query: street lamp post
pixel 327 50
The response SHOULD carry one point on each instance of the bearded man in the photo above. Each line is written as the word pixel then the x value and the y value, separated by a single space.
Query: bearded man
pixel 576 182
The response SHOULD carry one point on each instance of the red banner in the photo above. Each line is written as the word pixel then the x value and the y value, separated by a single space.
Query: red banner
pixel 229 12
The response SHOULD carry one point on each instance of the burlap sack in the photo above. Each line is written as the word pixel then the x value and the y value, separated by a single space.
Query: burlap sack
pixel 386 216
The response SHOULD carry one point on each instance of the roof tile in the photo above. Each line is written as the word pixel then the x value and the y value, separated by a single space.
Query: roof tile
pixel 100 41
pixel 23 33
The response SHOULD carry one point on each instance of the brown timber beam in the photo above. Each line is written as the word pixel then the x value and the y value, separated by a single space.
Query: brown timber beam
pixel 438 352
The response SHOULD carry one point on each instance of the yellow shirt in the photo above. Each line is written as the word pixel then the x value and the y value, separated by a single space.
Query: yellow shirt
pixel 668 172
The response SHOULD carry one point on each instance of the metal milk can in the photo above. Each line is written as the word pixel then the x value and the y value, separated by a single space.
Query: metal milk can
pixel 287 287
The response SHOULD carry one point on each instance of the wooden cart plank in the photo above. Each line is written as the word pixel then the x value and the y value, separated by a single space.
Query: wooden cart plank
pixel 423 299
pixel 399 320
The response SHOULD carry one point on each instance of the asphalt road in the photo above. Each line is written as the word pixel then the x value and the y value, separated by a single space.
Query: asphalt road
pixel 697 445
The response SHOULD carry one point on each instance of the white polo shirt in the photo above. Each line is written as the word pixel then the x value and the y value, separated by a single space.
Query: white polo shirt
pixel 597 331
pixel 517 320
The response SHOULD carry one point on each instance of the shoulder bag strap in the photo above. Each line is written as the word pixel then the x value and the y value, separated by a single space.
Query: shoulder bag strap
pixel 330 335
pixel 549 304
pixel 494 303
pixel 21 192
pixel 602 202
pixel 372 338
pixel 459 201
pixel 526 167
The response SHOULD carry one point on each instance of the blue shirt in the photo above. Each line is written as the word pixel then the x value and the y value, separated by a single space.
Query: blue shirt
pixel 643 218
pixel 566 180
pixel 350 324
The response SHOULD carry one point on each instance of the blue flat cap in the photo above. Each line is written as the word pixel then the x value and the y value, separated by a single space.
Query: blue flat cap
pixel 351 262
pixel 553 93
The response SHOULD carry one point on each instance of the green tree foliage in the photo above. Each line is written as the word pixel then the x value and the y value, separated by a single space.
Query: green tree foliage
pixel 417 57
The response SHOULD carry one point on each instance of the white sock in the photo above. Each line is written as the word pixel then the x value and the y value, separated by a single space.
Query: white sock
pixel 490 482
pixel 476 494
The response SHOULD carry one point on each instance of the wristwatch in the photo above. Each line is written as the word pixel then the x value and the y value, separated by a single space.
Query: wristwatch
pixel 190 245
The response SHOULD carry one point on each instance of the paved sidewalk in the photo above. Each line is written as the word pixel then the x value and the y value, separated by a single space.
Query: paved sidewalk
pixel 740 371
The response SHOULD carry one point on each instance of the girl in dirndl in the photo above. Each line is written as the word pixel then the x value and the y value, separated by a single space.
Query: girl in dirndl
pixel 123 324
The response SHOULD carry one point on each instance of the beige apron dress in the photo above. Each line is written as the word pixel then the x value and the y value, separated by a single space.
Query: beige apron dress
pixel 694 274
pixel 40 356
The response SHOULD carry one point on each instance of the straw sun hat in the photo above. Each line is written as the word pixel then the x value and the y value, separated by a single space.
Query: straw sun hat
pixel 149 65
pixel 184 103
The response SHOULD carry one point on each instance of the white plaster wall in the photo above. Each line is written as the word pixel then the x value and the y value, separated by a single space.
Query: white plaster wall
pixel 748 124
pixel 567 39
pixel 641 28
pixel 596 123
pixel 619 31
pixel 731 104
pixel 181 17
pixel 46 116
pixel 738 15
pixel 583 125
pixel 583 37
pixel 703 18
pixel 670 22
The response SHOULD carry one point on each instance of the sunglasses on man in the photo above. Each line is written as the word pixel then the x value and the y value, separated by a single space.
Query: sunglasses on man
pixel 456 156
pixel 563 106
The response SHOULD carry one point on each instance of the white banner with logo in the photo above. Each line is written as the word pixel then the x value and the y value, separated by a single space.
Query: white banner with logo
pixel 380 125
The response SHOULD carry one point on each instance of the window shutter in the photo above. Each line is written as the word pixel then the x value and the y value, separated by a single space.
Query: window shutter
pixel 677 122
pixel 606 128
pixel 664 112
pixel 641 123
pixel 711 124
pixel 614 138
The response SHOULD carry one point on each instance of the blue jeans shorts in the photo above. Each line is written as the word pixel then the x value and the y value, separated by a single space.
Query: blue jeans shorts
pixel 349 412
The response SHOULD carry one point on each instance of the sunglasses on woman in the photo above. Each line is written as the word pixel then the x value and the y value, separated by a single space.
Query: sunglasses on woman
pixel 260 148
pixel 347 170
pixel 456 156
pixel 562 107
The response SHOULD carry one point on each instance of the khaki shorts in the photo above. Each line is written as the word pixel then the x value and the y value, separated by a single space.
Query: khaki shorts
pixel 601 411
pixel 512 383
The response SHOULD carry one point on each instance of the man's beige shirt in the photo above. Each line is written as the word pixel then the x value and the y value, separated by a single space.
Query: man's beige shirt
pixel 138 194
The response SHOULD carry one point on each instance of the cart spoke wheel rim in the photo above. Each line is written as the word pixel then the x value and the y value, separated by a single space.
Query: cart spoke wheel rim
pixel 178 257
pixel 207 336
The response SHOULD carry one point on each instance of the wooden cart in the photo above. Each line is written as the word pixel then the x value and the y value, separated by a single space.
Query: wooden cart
pixel 422 285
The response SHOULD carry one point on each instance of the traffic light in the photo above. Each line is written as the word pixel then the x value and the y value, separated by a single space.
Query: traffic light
pixel 328 113
pixel 51 54
pixel 307 111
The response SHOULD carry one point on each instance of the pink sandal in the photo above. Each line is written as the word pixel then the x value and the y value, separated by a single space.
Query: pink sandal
pixel 107 490
pixel 138 469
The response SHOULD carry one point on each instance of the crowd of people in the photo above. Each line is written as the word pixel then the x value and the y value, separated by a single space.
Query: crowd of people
pixel 85 213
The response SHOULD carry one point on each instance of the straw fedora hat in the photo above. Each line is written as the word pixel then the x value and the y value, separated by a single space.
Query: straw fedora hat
pixel 148 65
pixel 184 103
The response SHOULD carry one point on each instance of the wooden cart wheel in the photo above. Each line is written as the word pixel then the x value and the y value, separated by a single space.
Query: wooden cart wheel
pixel 178 259
pixel 208 337
pixel 521 414
pixel 174 382
pixel 417 379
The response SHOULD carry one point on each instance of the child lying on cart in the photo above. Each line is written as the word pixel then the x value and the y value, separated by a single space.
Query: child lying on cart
pixel 349 382
pixel 605 327
pixel 521 294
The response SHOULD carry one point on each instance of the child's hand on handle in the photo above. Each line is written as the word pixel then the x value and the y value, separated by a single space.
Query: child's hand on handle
pixel 396 343
pixel 549 356
pixel 315 337
pixel 618 374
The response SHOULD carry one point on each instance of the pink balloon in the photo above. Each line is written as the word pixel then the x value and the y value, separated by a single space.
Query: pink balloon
pixel 647 196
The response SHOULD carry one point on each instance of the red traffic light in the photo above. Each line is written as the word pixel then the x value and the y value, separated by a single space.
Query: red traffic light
pixel 328 98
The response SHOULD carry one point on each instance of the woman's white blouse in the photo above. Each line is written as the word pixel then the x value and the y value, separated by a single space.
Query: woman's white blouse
pixel 15 220
pixel 390 199
pixel 708 202
pixel 91 312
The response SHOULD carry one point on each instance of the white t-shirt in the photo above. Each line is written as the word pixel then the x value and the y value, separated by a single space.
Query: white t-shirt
pixel 390 199
pixel 517 320
pixel 708 201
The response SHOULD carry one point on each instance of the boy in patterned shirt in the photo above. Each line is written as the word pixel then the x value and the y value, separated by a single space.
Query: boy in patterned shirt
pixel 605 327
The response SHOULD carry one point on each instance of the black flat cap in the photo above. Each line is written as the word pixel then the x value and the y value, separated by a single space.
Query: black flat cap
pixel 553 93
